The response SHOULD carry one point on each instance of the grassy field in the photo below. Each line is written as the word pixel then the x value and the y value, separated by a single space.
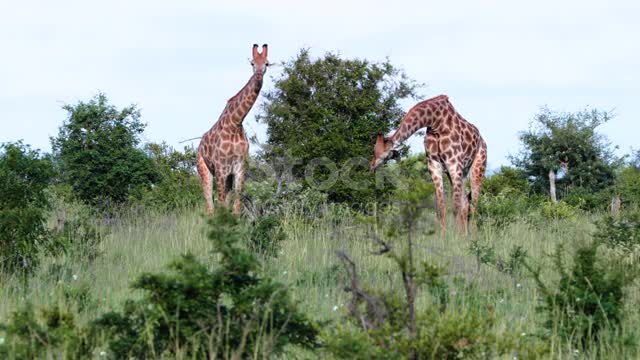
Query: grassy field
pixel 307 262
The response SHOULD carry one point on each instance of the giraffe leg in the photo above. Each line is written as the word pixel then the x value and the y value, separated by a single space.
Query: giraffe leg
pixel 478 169
pixel 206 180
pixel 460 201
pixel 221 179
pixel 238 186
pixel 436 171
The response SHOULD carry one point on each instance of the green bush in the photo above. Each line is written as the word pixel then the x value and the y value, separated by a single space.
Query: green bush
pixel 97 152
pixel 558 211
pixel 24 177
pixel 628 185
pixel 620 231
pixel 588 298
pixel 501 210
pixel 506 180
pixel 196 312
pixel 52 335
pixel 177 185
pixel 266 236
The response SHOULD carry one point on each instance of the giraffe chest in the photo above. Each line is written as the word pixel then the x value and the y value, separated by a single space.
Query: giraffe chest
pixel 225 147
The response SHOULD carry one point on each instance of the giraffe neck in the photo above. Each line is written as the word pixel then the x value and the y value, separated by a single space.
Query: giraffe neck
pixel 239 105
pixel 427 114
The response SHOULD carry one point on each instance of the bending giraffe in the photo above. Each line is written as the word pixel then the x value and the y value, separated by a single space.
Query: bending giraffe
pixel 453 145
pixel 224 147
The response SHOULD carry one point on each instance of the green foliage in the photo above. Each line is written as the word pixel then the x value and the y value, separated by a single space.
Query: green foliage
pixel 198 312
pixel 53 334
pixel 501 210
pixel 80 238
pixel 177 185
pixel 266 236
pixel 97 154
pixel 486 254
pixel 385 325
pixel 585 199
pixel 588 298
pixel 327 112
pixel 24 177
pixel 628 186
pixel 570 139
pixel 620 231
pixel 507 180
pixel 558 211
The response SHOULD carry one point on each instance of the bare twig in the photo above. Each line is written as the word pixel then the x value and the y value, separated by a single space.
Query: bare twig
pixel 195 138
pixel 375 307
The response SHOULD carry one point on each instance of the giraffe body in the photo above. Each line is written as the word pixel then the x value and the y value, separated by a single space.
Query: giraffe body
pixel 453 146
pixel 223 149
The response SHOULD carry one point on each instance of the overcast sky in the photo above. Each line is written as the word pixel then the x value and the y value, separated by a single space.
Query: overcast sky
pixel 499 61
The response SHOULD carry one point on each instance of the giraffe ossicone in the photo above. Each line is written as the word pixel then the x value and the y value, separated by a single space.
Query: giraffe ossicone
pixel 223 149
pixel 453 145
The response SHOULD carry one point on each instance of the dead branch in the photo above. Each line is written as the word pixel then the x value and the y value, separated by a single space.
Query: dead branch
pixel 375 306
pixel 195 138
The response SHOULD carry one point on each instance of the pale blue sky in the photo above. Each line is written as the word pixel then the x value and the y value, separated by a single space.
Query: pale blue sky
pixel 499 61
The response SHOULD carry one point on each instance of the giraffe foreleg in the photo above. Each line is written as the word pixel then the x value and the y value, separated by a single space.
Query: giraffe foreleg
pixel 436 171
pixel 221 180
pixel 238 185
pixel 206 180
pixel 460 201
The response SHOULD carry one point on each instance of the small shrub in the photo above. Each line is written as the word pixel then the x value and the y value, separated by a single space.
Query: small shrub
pixel 588 298
pixel 558 211
pixel 620 232
pixel 53 334
pixel 266 236
pixel 500 211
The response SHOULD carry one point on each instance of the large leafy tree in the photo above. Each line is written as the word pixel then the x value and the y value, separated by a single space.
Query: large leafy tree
pixel 98 154
pixel 328 111
pixel 24 176
pixel 567 143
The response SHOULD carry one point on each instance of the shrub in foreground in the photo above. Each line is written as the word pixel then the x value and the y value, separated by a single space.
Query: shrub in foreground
pixel 189 311
pixel 588 298
pixel 200 313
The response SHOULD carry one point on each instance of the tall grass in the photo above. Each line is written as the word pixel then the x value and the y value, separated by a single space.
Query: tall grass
pixel 143 241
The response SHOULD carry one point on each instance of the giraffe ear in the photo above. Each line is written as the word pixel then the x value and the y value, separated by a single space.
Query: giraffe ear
pixel 379 139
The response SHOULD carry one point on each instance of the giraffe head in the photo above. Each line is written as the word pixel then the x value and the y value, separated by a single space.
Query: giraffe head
pixel 259 61
pixel 382 151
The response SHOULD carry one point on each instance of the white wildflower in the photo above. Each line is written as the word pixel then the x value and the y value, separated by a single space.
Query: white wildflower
pixel 518 285
pixel 103 353
pixel 524 334
pixel 75 277
pixel 1 340
pixel 335 308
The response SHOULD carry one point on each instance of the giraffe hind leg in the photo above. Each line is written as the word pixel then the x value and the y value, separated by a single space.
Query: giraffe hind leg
pixel 478 169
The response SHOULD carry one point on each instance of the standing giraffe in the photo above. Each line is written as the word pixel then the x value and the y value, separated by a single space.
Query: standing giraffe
pixel 453 145
pixel 224 147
